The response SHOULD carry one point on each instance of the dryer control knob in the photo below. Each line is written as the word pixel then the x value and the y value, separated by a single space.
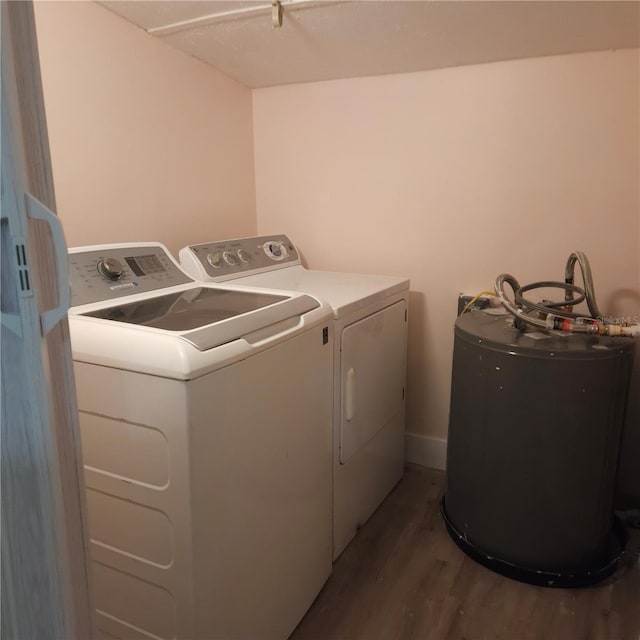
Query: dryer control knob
pixel 275 250
pixel 244 255
pixel 230 258
pixel 110 268
pixel 215 259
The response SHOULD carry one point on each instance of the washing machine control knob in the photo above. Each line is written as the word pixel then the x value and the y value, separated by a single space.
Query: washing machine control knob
pixel 215 259
pixel 244 255
pixel 110 268
pixel 230 258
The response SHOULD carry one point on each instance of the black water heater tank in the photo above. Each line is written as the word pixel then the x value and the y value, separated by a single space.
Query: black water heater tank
pixel 532 450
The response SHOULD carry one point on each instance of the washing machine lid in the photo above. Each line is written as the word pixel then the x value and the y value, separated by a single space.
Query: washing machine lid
pixel 155 319
pixel 201 314
pixel 174 335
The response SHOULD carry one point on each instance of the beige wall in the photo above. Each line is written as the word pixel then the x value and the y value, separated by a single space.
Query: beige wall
pixel 146 142
pixel 454 176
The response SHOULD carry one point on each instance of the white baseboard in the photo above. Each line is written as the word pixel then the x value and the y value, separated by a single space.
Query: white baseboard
pixel 426 451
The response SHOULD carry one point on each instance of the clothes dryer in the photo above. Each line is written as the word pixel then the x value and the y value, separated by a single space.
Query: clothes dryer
pixel 370 352
pixel 206 437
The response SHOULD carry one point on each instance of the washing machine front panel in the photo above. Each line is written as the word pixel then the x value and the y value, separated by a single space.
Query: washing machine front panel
pixel 225 531
pixel 134 431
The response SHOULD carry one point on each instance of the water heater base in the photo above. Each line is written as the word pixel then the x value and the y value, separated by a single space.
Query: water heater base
pixel 559 579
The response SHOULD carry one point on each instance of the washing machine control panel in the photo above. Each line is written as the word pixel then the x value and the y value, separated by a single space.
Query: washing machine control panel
pixel 116 271
pixel 239 257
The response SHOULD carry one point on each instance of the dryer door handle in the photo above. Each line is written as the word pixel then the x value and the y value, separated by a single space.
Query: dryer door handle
pixel 349 395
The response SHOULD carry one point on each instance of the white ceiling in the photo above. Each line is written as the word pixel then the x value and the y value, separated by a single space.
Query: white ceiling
pixel 327 39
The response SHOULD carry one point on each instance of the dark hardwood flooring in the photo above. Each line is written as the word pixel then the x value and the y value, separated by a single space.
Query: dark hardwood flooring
pixel 403 578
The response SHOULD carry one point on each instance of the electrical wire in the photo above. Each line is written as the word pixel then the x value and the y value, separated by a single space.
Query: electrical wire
pixel 475 299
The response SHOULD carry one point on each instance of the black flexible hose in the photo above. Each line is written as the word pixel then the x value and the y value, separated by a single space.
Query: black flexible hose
pixel 552 307
pixel 520 307
pixel 587 278
pixel 557 315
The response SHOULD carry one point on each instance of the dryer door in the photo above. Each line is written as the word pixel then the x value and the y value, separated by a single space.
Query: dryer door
pixel 372 376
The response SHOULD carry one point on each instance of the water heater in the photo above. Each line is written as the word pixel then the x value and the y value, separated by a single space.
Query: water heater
pixel 532 453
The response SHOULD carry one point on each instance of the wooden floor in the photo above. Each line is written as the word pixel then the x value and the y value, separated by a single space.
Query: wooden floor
pixel 403 578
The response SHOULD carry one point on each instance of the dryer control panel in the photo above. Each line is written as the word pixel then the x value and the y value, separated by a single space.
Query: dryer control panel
pixel 115 271
pixel 236 258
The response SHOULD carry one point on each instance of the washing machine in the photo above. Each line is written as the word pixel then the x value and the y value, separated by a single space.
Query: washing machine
pixel 207 443
pixel 370 351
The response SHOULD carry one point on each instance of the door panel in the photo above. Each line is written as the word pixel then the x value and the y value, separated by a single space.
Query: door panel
pixel 373 372
pixel 45 579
